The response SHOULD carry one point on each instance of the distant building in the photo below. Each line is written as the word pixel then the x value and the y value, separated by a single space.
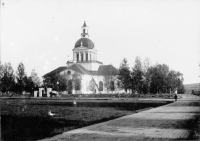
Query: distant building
pixel 93 73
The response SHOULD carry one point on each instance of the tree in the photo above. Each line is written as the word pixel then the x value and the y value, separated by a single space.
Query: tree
pixel 29 84
pixel 145 68
pixel 109 82
pixel 1 74
pixel 35 78
pixel 137 76
pixel 146 65
pixel 91 85
pixel 175 81
pixel 21 77
pixel 159 78
pixel 7 78
pixel 1 71
pixel 49 81
pixel 124 75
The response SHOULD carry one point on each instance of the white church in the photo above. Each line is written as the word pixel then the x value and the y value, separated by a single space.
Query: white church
pixel 85 63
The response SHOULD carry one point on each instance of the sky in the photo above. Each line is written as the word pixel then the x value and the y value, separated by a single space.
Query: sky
pixel 42 33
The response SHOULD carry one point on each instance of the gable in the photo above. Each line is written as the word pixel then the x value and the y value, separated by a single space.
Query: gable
pixel 54 72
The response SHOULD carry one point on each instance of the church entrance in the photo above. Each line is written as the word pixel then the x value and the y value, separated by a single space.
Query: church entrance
pixel 100 86
pixel 69 87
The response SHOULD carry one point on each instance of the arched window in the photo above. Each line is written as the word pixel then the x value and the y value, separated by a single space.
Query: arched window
pixel 86 56
pixel 77 84
pixel 112 86
pixel 77 56
pixel 68 72
pixel 100 86
pixel 69 87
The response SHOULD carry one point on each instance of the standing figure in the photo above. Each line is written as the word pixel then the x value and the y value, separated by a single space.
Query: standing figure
pixel 176 95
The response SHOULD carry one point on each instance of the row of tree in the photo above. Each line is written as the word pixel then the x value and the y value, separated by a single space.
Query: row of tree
pixel 142 77
pixel 18 81
pixel 147 78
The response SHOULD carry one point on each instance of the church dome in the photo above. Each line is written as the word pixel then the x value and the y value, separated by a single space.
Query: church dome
pixel 85 42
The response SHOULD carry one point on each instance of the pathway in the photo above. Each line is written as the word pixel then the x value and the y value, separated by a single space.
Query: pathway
pixel 168 122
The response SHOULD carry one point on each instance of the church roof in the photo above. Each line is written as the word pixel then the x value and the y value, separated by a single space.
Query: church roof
pixel 103 70
pixel 58 70
pixel 74 67
pixel 84 42
pixel 107 70
pixel 79 68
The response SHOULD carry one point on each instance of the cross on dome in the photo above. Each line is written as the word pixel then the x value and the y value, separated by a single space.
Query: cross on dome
pixel 84 24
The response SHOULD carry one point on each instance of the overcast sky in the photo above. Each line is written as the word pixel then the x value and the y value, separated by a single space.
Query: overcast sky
pixel 42 33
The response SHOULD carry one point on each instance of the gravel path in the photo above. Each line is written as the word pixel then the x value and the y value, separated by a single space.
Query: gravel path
pixel 174 121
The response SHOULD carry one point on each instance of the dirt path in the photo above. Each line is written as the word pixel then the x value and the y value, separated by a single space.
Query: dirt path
pixel 170 122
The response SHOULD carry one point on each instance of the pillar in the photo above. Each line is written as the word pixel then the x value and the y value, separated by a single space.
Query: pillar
pixel 40 91
pixel 74 57
pixel 35 93
pixel 79 54
pixel 48 91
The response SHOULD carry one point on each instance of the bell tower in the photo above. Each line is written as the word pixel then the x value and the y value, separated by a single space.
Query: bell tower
pixel 84 52
pixel 84 33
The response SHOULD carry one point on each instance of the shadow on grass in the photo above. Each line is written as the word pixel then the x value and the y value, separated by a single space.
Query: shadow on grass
pixel 34 128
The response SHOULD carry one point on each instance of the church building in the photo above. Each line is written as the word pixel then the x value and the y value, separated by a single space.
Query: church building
pixel 92 72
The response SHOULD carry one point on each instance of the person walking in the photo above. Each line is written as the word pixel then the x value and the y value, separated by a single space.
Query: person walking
pixel 176 95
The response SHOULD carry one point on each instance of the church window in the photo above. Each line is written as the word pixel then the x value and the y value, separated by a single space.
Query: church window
pixel 77 56
pixel 83 30
pixel 86 56
pixel 90 57
pixel 69 87
pixel 68 72
pixel 77 83
pixel 112 86
pixel 100 86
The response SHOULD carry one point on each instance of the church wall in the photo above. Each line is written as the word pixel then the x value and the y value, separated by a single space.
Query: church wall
pixel 87 66
pixel 95 66
pixel 101 78
pixel 85 83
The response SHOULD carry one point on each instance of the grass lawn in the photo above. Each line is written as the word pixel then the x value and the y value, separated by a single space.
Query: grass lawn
pixel 29 119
